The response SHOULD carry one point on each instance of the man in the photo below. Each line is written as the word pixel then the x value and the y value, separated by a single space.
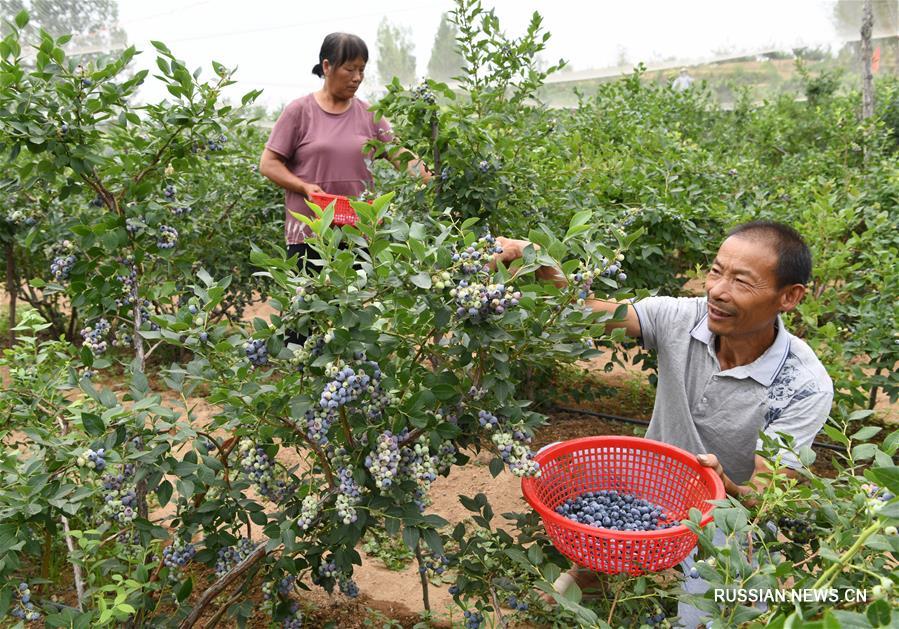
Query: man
pixel 683 82
pixel 728 368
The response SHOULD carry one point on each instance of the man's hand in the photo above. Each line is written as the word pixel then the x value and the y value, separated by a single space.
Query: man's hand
pixel 710 460
pixel 512 249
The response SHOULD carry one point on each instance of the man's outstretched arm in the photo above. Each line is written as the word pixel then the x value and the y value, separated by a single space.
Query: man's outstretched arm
pixel 514 249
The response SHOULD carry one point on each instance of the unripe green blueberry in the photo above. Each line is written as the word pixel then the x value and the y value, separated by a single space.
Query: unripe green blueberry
pixel 890 530
pixel 886 584
pixel 877 592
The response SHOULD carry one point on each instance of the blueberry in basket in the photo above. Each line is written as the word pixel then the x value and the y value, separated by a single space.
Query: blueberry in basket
pixel 610 509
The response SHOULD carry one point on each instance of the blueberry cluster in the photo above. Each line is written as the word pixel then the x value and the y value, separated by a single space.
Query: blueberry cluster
pixel 259 469
pixel 167 237
pixel 484 166
pixel 94 337
pixel 473 619
pixel 348 587
pixel 119 496
pixel 180 210
pixel 122 337
pixel 308 512
pixel 453 590
pixel 318 423
pixel 877 497
pixel 383 462
pixel 477 301
pixel 257 352
pixel 799 531
pixel 295 620
pixel 512 602
pixel 93 459
pixel 134 225
pixel 418 465
pixel 128 282
pixel 474 258
pixel 423 93
pixel 145 316
pixel 283 587
pixel 23 608
pixel 18 217
pixel 346 387
pixel 169 191
pixel 61 266
pixel 230 556
pixel 610 509
pixel 216 144
pixel 656 619
pixel 178 554
pixel 487 420
pixel 328 570
pixel 348 496
pixel 435 564
pixel 312 348
pixel 514 450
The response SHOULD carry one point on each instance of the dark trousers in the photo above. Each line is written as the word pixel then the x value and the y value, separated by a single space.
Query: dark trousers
pixel 303 250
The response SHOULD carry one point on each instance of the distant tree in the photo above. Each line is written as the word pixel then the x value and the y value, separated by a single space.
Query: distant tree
pixel 395 58
pixel 867 76
pixel 446 61
pixel 847 17
pixel 93 24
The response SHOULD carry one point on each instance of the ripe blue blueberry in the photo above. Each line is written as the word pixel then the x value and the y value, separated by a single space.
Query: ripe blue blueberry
pixel 614 510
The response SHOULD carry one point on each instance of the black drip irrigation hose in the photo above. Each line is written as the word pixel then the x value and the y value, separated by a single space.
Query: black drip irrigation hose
pixel 644 422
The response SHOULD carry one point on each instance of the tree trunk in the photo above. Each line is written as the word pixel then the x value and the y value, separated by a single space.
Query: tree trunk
pixel 867 76
pixel 12 290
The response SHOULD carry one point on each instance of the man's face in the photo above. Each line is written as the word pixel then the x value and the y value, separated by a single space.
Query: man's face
pixel 742 289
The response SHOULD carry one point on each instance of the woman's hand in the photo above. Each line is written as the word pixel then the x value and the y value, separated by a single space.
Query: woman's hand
pixel 310 188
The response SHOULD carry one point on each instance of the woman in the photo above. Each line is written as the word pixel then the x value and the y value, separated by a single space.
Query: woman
pixel 316 145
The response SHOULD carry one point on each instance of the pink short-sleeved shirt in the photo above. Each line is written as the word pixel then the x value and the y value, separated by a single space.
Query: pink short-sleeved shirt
pixel 324 149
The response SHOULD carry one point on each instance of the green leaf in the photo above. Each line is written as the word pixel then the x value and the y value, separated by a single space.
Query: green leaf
pixel 422 280
pixel 864 451
pixel 879 614
pixel 411 536
pixel 164 493
pixel 849 620
pixel 185 589
pixel 433 540
pixel 866 433
pixel 496 467
pixel 891 443
pixel 886 476
pixel 93 424
pixel 22 18
pixel 807 456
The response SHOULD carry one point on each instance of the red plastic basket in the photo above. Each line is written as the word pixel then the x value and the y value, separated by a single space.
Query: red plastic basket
pixel 344 214
pixel 662 474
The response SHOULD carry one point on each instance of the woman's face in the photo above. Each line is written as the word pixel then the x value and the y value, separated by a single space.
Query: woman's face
pixel 343 81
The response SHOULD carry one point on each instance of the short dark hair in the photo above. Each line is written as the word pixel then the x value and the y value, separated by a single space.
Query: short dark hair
pixel 338 48
pixel 794 259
